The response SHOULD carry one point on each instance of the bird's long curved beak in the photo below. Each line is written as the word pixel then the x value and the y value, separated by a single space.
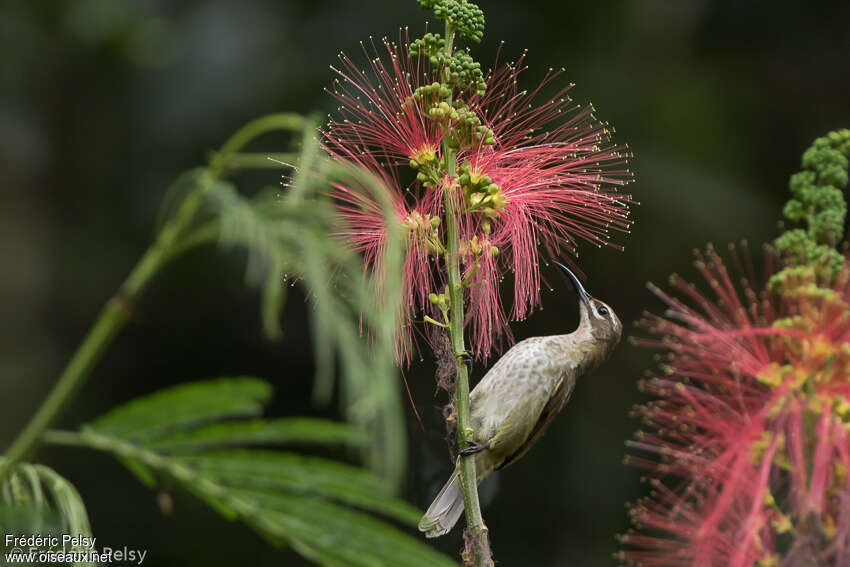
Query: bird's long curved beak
pixel 583 295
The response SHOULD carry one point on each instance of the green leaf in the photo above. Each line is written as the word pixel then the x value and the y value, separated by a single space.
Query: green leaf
pixel 184 406
pixel 330 512
pixel 274 299
pixel 302 475
pixel 261 431
pixel 67 501
pixel 37 500
pixel 319 507
pixel 337 536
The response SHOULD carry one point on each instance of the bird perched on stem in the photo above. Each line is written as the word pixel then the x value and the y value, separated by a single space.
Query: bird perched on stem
pixel 516 401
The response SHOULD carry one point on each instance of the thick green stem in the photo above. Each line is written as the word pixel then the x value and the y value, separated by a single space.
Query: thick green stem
pixel 480 548
pixel 109 322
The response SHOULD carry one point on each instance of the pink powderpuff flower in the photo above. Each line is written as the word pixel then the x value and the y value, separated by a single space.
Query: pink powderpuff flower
pixel 553 200
pixel 377 113
pixel 749 430
pixel 366 233
pixel 558 175
pixel 556 171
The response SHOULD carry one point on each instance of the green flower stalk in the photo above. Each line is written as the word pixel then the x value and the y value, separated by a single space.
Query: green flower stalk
pixel 501 177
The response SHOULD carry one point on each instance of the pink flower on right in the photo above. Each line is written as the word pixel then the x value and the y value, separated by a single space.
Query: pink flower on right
pixel 747 437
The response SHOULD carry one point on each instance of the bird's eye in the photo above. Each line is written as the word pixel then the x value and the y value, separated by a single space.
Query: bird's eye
pixel 602 310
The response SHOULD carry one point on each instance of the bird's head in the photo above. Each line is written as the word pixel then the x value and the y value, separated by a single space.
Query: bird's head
pixel 597 317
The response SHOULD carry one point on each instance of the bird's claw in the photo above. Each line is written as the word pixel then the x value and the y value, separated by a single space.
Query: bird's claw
pixel 467 359
pixel 473 448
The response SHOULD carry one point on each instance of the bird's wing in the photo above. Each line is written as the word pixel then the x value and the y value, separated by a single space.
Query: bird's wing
pixel 547 413
pixel 494 397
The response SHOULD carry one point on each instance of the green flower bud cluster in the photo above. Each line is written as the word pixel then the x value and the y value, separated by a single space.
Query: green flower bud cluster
pixel 801 281
pixel 818 200
pixel 466 128
pixel 799 245
pixel 418 222
pixel 471 252
pixel 425 227
pixel 432 46
pixel 808 261
pixel 428 168
pixel 464 72
pixel 428 4
pixel 441 300
pixel 465 17
pixel 431 94
pixel 822 207
pixel 481 194
pixel 476 248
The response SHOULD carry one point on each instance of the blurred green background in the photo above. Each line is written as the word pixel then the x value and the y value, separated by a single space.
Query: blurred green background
pixel 104 102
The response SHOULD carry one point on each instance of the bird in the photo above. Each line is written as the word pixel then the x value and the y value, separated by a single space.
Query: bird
pixel 519 397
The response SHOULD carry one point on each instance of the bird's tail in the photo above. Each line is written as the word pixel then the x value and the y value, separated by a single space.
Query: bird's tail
pixel 444 511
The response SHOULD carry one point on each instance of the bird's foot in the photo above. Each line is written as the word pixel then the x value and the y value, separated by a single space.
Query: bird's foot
pixel 472 448
pixel 467 359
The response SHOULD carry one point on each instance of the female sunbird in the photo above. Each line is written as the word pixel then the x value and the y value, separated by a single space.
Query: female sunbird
pixel 516 401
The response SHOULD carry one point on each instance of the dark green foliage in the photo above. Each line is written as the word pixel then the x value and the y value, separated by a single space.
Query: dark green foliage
pixel 818 202
pixel 263 431
pixel 320 507
pixel 183 406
